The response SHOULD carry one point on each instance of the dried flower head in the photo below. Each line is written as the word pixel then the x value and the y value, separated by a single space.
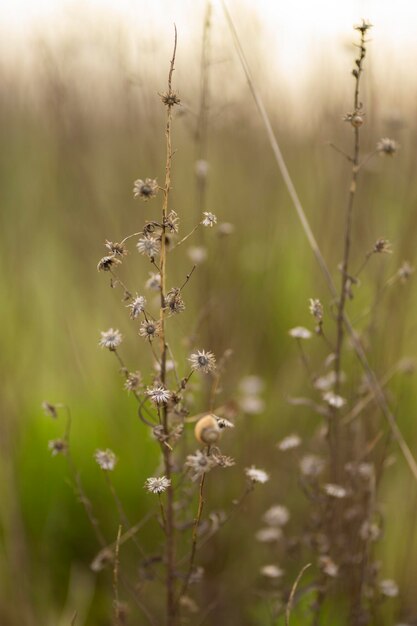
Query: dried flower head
pixel 172 221
pixel 110 339
pixel 106 459
pixel 363 27
pixel 316 309
pixel 335 491
pixel 154 282
pixel 133 381
pixel 170 98
pixel 145 189
pixel 299 332
pixel 256 475
pixel 49 409
pixel 137 306
pixel 277 515
pixel 289 443
pixel 252 405
pixel 118 249
pixel 157 484
pixel 209 219
pixel 158 394
pixel 271 571
pixel 107 263
pixel 57 446
pixel 311 465
pixel 203 361
pixel 387 146
pixel 405 271
pixel 328 566
pixel 199 463
pixel 388 588
pixel 334 400
pixel 382 246
pixel 149 246
pixel 150 329
pixel 174 302
pixel 369 531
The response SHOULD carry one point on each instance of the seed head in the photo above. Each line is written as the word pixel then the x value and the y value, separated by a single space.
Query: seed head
pixel 363 27
pixel 149 329
pixel 110 339
pixel 316 309
pixel 117 249
pixel 387 146
pixel 106 459
pixel 170 99
pixel 199 463
pixel 209 219
pixel 256 475
pixel 299 332
pixel 203 361
pixel 133 381
pixel 154 282
pixel 49 409
pixel 277 515
pixel 149 246
pixel 174 302
pixel 57 446
pixel 137 306
pixel 157 484
pixel 405 271
pixel 289 443
pixel 158 394
pixel 107 263
pixel 145 189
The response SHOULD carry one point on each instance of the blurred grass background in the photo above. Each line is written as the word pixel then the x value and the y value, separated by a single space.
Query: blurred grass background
pixel 76 131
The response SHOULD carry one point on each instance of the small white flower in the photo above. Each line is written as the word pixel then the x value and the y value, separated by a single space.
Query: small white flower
pixel 289 443
pixel 253 405
pixel 106 459
pixel 201 168
pixel 387 146
pixel 256 475
pixel 203 361
pixel 149 246
pixel 110 339
pixel 200 463
pixel 209 219
pixel 326 382
pixel 149 329
pixel 299 332
pixel 157 484
pixel 137 307
pixel 388 588
pixel 316 309
pixel 271 571
pixel 268 535
pixel 369 531
pixel 335 491
pixel 277 515
pixel 334 400
pixel 158 394
pixel 251 385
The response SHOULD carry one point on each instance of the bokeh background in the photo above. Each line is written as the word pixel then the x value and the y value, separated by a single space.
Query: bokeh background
pixel 80 120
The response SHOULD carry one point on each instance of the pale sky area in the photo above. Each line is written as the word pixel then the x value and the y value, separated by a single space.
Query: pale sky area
pixel 293 32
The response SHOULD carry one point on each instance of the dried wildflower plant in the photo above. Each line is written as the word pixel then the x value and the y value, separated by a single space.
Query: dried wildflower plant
pixel 163 406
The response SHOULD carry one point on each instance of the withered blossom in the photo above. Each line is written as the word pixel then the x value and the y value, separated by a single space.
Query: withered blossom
pixel 174 303
pixel 106 459
pixel 133 381
pixel 154 282
pixel 203 361
pixel 157 484
pixel 149 246
pixel 117 249
pixel 382 246
pixel 137 306
pixel 145 189
pixel 107 263
pixel 289 443
pixel 256 475
pixel 170 99
pixel 57 446
pixel 110 339
pixel 158 394
pixel 316 309
pixel 199 463
pixel 299 332
pixel 209 219
pixel 387 146
pixel 49 409
pixel 150 329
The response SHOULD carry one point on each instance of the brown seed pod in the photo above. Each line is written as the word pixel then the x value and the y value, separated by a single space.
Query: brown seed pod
pixel 207 431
